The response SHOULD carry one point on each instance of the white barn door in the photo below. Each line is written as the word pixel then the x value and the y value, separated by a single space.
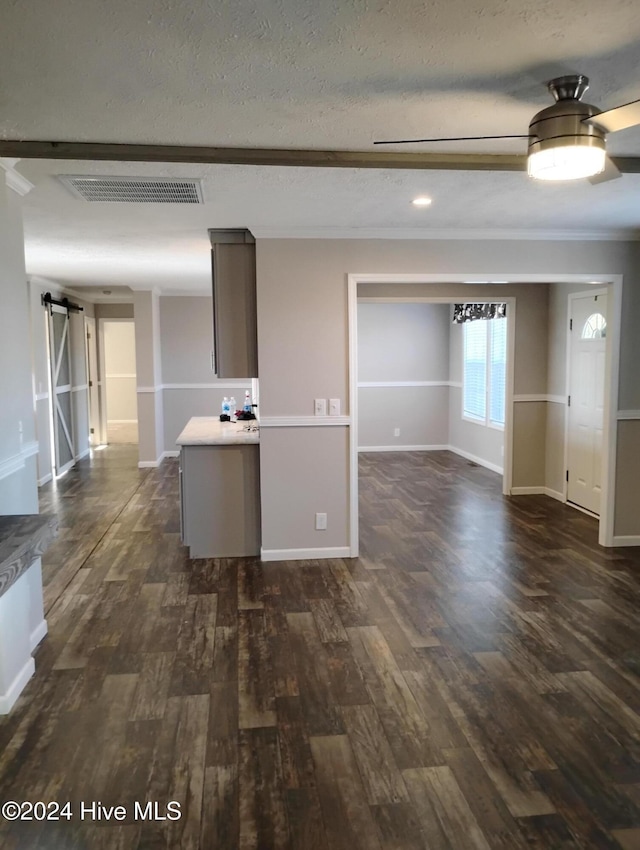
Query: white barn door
pixel 60 360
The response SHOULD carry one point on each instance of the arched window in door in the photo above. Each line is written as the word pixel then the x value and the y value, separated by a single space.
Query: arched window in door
pixel 595 327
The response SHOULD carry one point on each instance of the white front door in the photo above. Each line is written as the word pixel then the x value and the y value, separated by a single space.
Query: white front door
pixel 588 332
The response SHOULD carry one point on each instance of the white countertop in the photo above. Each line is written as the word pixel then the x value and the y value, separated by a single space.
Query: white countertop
pixel 209 431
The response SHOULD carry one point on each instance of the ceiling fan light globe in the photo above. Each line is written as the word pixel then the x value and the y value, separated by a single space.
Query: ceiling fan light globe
pixel 566 162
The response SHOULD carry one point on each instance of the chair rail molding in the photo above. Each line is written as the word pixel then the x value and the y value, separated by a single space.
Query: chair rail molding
pixel 16 462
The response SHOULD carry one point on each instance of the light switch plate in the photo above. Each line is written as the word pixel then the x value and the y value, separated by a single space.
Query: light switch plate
pixel 334 407
pixel 320 407
pixel 321 522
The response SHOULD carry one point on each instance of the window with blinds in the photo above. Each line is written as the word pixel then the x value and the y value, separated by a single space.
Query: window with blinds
pixel 484 371
pixel 497 331
pixel 475 370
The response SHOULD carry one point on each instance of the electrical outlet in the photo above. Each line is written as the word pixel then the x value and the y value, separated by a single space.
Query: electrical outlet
pixel 321 522
pixel 334 407
pixel 320 407
pixel 396 432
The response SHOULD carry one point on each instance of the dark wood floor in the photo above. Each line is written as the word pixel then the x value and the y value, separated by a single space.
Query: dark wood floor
pixel 470 682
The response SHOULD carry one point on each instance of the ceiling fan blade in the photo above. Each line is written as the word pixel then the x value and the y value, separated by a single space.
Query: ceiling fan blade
pixel 620 118
pixel 452 139
pixel 611 172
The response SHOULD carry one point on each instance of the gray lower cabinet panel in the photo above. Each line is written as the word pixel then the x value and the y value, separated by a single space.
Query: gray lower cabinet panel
pixel 220 500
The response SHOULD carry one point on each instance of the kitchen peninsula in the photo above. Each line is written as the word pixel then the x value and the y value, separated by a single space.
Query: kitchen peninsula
pixel 220 487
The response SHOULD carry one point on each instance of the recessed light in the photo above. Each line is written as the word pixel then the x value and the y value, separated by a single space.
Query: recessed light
pixel 422 201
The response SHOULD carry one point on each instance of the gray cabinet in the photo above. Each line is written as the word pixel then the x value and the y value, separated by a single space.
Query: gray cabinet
pixel 235 335
pixel 220 500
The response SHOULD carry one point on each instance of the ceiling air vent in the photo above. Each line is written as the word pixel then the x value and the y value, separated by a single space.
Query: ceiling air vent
pixel 134 190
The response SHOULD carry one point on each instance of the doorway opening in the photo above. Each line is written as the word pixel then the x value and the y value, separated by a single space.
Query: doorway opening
pixel 93 380
pixel 536 411
pixel 118 396
pixel 432 375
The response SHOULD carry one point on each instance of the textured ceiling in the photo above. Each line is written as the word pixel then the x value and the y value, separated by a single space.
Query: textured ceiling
pixel 300 73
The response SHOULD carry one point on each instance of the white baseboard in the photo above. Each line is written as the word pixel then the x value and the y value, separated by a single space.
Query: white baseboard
pixel 304 554
pixel 153 464
pixel 38 634
pixel 474 459
pixel 627 540
pixel 45 479
pixel 538 491
pixel 10 697
pixel 555 494
pixel 527 491
pixel 403 448
pixel 83 454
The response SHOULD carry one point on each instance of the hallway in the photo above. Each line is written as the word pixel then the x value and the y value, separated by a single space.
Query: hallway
pixel 469 682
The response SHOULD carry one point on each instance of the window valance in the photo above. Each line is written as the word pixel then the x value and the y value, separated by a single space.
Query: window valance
pixel 471 312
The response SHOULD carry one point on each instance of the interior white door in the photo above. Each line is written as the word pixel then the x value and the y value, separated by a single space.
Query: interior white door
pixel 588 330
pixel 92 380
pixel 60 362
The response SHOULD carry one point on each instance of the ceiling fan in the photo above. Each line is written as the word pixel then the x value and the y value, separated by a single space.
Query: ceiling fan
pixel 568 139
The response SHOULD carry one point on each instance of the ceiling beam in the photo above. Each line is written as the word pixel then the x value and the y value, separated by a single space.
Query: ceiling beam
pixel 261 156
pixel 278 156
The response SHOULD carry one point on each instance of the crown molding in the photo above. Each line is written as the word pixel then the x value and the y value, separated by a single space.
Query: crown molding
pixel 139 287
pixel 99 299
pixel 14 180
pixel 468 233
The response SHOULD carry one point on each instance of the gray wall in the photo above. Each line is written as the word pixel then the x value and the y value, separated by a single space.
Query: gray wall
pixel 186 334
pixel 113 311
pixel 189 386
pixel 399 342
pixel 149 377
pixel 403 342
pixel 18 490
pixel 303 349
